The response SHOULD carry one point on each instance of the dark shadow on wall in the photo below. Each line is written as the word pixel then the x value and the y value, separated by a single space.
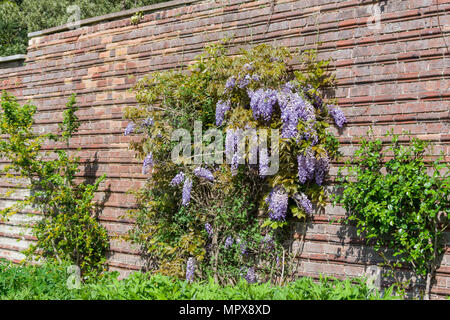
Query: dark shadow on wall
pixel 90 176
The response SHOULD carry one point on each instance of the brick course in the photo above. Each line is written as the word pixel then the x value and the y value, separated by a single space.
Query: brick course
pixel 395 78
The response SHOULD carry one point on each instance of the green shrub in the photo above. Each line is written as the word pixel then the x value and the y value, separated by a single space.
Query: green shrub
pixel 68 229
pixel 402 204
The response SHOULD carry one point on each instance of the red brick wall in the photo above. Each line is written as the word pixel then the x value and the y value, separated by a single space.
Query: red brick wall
pixel 396 77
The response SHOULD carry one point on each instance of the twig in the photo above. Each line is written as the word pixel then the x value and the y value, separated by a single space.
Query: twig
pixel 439 25
pixel 272 7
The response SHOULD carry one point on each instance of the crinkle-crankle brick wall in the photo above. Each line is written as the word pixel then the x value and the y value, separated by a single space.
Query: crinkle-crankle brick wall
pixel 395 77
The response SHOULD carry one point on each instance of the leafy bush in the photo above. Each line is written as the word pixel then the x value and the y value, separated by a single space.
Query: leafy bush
pixel 68 229
pixel 49 282
pixel 208 212
pixel 26 282
pixel 13 30
pixel 19 17
pixel 399 204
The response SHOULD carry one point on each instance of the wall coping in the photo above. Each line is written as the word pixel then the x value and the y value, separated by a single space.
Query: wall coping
pixel 15 57
pixel 114 16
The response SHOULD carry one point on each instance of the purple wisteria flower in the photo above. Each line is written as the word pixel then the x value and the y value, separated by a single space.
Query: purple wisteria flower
pixel 204 173
pixel 338 115
pixel 190 269
pixel 293 108
pixel 148 122
pixel 250 276
pixel 263 162
pixel 262 102
pixel 322 166
pixel 234 164
pixel 179 178
pixel 248 67
pixel 268 242
pixel 310 133
pixel 306 166
pixel 230 84
pixel 221 108
pixel 231 149
pixel 288 86
pixel 229 242
pixel 277 201
pixel 129 129
pixel 209 229
pixel 148 163
pixel 302 201
pixel 187 187
pixel 256 77
pixel 317 100
pixel 243 82
pixel 253 145
pixel 243 247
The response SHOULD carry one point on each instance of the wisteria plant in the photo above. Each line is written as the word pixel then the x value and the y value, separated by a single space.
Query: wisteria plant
pixel 231 218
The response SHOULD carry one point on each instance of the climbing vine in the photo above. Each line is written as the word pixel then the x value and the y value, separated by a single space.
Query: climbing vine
pixel 221 212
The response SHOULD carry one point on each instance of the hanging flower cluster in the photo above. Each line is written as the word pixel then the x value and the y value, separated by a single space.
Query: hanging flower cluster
pixel 250 276
pixel 303 202
pixel 297 108
pixel 338 115
pixel 221 108
pixel 148 163
pixel 178 179
pixel 229 242
pixel 209 229
pixel 277 202
pixel 262 102
pixel 190 269
pixel 187 188
pixel 129 129
pixel 204 173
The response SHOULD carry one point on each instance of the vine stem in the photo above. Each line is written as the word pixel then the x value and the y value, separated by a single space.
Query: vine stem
pixel 215 256
pixel 282 268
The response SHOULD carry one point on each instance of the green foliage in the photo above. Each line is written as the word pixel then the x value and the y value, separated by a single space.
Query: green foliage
pixel 13 30
pixel 157 287
pixel 401 204
pixel 136 18
pixel 26 282
pixel 70 122
pixel 49 281
pixel 18 18
pixel 168 232
pixel 68 229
